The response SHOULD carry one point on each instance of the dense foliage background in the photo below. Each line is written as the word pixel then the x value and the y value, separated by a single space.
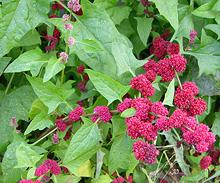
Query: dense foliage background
pixel 50 64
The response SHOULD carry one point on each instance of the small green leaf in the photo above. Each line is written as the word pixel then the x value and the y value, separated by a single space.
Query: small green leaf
pixel 169 95
pixel 84 144
pixel 144 26
pixel 27 60
pixel 128 113
pixel 53 67
pixel 169 11
pixel 119 126
pixel 216 124
pixel 103 179
pixel 40 121
pixel 26 157
pixel 109 88
pixel 52 96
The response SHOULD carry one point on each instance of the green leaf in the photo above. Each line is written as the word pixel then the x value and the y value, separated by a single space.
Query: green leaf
pixel 144 26
pixel 53 67
pixel 169 95
pixel 11 174
pixel 216 124
pixel 31 38
pixel 40 122
pixel 207 53
pixel 178 152
pixel 15 21
pixel 215 28
pixel 52 96
pixel 116 57
pixel 169 11
pixel 103 179
pixel 84 144
pixel 109 88
pixel 118 14
pixel 65 178
pixel 85 170
pixel 90 46
pixel 208 10
pixel 27 61
pixel 36 108
pixel 3 64
pixel 15 104
pixel 128 113
pixel 119 156
pixel 26 157
pixel 195 177
pixel 119 126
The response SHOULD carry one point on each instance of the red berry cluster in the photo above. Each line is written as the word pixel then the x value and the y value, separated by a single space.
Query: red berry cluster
pixel 150 117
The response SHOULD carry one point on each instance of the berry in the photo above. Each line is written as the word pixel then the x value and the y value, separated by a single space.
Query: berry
pixel 178 118
pixel 80 69
pixel 55 139
pixel 53 166
pixel 150 65
pixel 151 75
pixel 165 70
pixel 189 86
pixel 145 152
pixel 75 114
pixel 148 131
pixel 71 41
pixel 197 107
pixel 61 125
pixel 173 48
pixel 64 56
pixel 133 126
pixel 103 113
pixel 163 123
pixel 205 162
pixel 142 84
pixel 124 105
pixel 192 36
pixel 41 170
pixel 183 98
pixel 159 47
pixel 68 26
pixel 159 109
pixel 178 62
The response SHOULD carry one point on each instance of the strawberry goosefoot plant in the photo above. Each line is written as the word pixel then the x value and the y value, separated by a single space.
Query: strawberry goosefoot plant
pixel 109 91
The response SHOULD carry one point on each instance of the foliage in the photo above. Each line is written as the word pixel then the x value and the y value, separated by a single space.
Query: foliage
pixel 75 76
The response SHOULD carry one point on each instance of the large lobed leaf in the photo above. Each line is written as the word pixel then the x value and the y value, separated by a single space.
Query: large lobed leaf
pixel 115 57
pixel 112 90
pixel 18 18
pixel 16 104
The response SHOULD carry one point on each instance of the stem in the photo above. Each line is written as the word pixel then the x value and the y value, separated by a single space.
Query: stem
pixel 178 79
pixel 192 4
pixel 9 83
pixel 164 147
pixel 62 76
pixel 47 134
pixel 150 57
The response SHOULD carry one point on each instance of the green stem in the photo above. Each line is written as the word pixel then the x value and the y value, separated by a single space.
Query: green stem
pixel 192 4
pixel 62 76
pixel 9 83
pixel 178 79
pixel 53 130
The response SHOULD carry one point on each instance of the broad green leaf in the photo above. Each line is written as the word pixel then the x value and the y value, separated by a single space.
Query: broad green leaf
pixel 109 88
pixel 26 156
pixel 194 177
pixel 178 152
pixel 36 108
pixel 15 104
pixel 65 178
pixel 84 144
pixel 119 126
pixel 27 61
pixel 103 179
pixel 3 64
pixel 40 122
pixel 15 21
pixel 119 13
pixel 144 26
pixel 169 95
pixel 90 46
pixel 128 113
pixel 208 10
pixel 216 124
pixel 119 156
pixel 85 170
pixel 169 11
pixel 31 38
pixel 53 67
pixel 51 95
pixel 116 57
pixel 11 174
pixel 215 28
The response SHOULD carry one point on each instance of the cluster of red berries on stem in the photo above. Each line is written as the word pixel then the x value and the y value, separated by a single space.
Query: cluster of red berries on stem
pixel 152 117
